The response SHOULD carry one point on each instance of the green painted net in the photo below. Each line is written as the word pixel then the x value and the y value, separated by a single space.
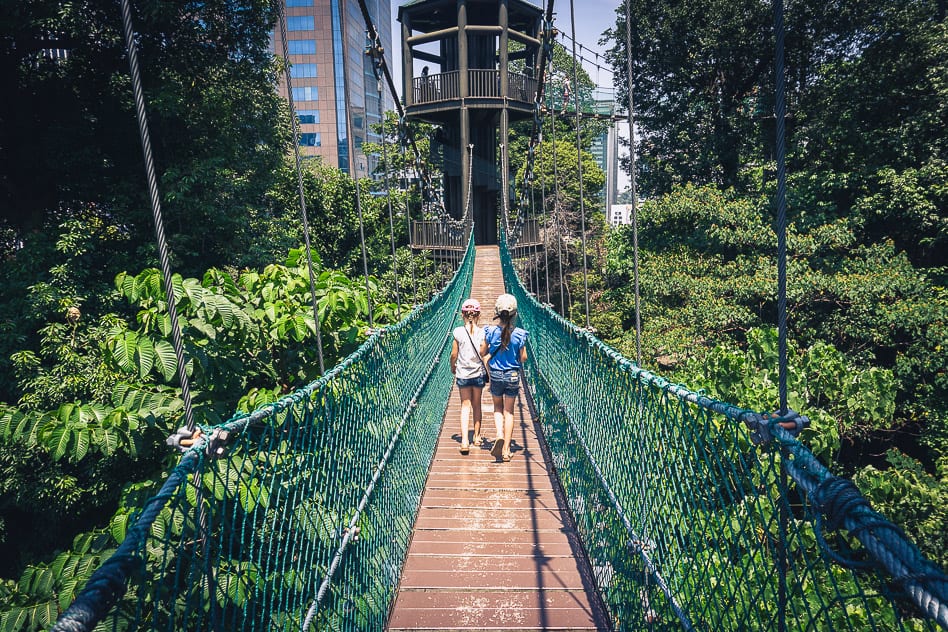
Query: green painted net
pixel 688 522
pixel 304 521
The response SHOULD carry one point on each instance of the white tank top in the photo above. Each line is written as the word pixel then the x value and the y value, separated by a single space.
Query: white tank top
pixel 469 358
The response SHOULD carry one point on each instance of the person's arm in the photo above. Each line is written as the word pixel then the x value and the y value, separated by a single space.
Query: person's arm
pixel 454 355
pixel 523 354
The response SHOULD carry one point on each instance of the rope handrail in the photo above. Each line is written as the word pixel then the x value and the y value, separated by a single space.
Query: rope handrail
pixel 322 483
pixel 679 508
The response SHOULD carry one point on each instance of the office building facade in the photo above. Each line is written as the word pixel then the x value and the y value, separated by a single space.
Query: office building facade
pixel 319 33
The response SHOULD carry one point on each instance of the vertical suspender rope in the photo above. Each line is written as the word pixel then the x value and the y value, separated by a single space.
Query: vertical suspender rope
pixel 781 294
pixel 164 259
pixel 350 144
pixel 536 242
pixel 391 223
pixel 411 254
pixel 156 211
pixel 579 162
pixel 546 248
pixel 294 122
pixel 556 216
pixel 388 191
pixel 635 201
pixel 781 206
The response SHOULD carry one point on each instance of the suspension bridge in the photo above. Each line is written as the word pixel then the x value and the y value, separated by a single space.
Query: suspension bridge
pixel 631 503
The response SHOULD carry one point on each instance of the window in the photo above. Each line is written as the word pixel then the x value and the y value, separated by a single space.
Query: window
pixel 308 116
pixel 305 93
pixel 299 3
pixel 311 140
pixel 302 47
pixel 298 71
pixel 301 23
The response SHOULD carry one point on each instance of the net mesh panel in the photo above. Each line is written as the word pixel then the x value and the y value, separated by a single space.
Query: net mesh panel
pixel 278 505
pixel 687 524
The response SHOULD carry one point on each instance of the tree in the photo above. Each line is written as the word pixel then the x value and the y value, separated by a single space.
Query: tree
pixel 698 70
pixel 69 133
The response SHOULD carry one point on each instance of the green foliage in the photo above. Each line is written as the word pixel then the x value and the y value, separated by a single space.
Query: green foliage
pixel 564 174
pixel 914 498
pixel 331 206
pixel 840 399
pixel 44 591
pixel 217 125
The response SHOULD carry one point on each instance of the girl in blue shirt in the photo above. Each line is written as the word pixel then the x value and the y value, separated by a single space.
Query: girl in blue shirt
pixel 504 349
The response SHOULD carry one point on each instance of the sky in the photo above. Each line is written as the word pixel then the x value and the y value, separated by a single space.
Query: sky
pixel 592 18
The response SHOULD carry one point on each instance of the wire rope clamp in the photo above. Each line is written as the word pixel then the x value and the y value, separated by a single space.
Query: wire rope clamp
pixel 217 443
pixel 355 531
pixel 183 439
pixel 761 425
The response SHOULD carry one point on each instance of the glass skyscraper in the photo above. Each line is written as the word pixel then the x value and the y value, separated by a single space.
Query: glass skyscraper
pixel 319 33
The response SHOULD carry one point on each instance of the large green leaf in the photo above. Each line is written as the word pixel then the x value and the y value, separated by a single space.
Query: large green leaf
pixel 165 360
pixel 145 356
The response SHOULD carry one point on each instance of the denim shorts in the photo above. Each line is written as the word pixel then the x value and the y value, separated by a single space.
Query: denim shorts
pixel 471 381
pixel 506 383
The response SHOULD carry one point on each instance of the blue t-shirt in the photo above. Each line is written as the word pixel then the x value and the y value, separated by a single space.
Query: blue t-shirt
pixel 509 358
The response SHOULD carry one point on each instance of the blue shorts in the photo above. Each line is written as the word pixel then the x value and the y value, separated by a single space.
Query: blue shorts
pixel 472 381
pixel 505 383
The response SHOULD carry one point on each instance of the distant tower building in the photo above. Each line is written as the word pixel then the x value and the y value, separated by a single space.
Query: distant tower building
pixel 316 30
pixel 482 58
pixel 619 214
pixel 604 149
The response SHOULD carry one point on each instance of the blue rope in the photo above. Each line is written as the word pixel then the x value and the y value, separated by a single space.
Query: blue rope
pixel 108 583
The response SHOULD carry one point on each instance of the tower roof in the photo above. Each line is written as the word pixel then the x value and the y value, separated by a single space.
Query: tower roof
pixel 431 15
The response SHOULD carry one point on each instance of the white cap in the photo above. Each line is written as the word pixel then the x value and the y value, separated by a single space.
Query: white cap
pixel 505 303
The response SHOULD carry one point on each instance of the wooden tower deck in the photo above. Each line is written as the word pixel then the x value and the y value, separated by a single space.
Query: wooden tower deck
pixel 492 547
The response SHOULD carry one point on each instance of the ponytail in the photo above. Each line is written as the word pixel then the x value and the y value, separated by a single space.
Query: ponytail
pixel 507 320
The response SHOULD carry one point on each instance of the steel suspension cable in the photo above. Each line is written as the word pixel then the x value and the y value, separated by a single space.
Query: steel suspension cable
pixel 164 260
pixel 556 217
pixel 294 122
pixel 163 252
pixel 388 192
pixel 391 226
pixel 579 162
pixel 781 204
pixel 350 144
pixel 411 253
pixel 635 201
pixel 781 293
pixel 546 248
pixel 535 258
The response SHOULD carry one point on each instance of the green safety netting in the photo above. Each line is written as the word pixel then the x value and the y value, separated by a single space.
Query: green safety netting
pixel 304 521
pixel 688 518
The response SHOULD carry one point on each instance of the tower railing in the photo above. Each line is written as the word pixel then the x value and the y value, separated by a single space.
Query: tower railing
pixel 482 83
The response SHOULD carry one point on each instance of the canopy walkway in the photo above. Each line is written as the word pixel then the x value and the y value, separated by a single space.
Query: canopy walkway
pixel 692 514
pixel 492 547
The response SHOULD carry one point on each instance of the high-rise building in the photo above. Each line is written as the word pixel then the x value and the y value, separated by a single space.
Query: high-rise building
pixel 604 146
pixel 319 33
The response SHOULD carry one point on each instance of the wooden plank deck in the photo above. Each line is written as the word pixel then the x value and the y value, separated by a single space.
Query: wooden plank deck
pixel 492 549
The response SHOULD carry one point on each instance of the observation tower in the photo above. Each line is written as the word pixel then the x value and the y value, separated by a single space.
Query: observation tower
pixel 477 75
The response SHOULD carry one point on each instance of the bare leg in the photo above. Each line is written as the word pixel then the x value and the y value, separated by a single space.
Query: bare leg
pixel 476 412
pixel 466 393
pixel 508 424
pixel 498 415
